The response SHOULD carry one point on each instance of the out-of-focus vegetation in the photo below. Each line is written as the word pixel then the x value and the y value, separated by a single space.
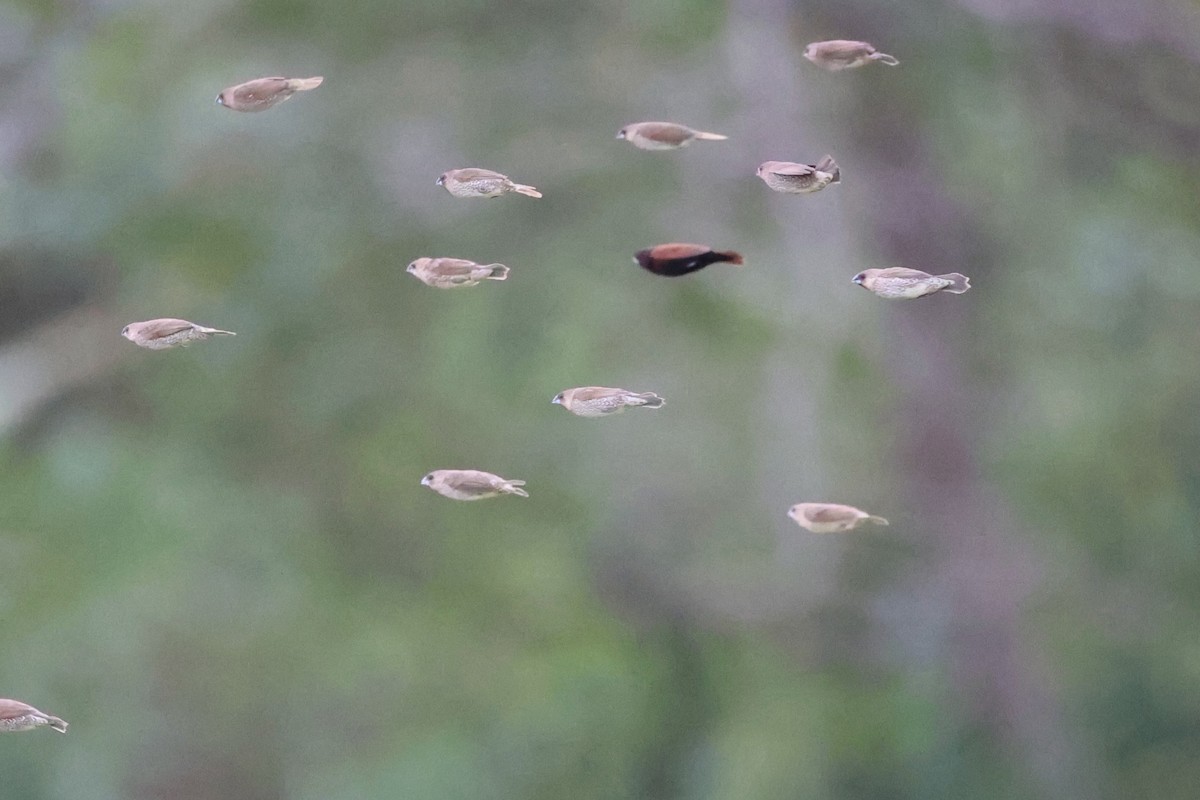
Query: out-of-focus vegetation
pixel 217 563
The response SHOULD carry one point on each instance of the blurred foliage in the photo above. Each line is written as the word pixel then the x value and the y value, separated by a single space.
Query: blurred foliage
pixel 219 565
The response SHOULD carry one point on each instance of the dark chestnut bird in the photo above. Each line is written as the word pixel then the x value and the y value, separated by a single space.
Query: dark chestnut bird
pixel 675 259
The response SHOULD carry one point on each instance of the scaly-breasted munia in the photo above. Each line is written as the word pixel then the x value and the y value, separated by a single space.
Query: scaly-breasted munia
pixel 677 258
pixel 842 54
pixel 663 135
pixel 261 94
pixel 787 176
pixel 901 283
pixel 160 334
pixel 475 182
pixel 600 401
pixel 451 273
pixel 471 484
pixel 831 517
pixel 18 716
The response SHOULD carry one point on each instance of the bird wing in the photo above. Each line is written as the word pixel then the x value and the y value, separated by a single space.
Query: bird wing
pixel 586 393
pixel 831 513
pixel 259 88
pixel 479 481
pixel 788 168
pixel 904 274
pixel 11 709
pixel 452 267
pixel 666 132
pixel 674 250
pixel 161 328
pixel 474 173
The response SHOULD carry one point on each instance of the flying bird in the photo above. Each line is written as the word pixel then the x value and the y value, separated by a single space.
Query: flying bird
pixel 787 176
pixel 600 401
pixel 677 258
pixel 840 54
pixel 160 334
pixel 261 94
pixel 831 517
pixel 475 182
pixel 901 283
pixel 17 716
pixel 663 135
pixel 451 273
pixel 471 484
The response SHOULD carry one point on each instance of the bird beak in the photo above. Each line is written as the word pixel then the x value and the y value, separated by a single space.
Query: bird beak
pixel 620 134
pixel 220 102
pixel 438 182
pixel 858 279
pixel 556 401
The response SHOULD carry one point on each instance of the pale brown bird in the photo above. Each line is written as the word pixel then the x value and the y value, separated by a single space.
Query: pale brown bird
pixel 475 182
pixel 787 176
pixel 262 93
pixel 160 334
pixel 901 283
pixel 842 54
pixel 17 716
pixel 600 401
pixel 663 135
pixel 451 273
pixel 831 517
pixel 471 484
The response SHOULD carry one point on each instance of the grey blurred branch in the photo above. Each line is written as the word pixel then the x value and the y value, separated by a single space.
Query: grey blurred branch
pixel 54 358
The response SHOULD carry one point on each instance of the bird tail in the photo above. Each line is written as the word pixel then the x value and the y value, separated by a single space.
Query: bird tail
pixel 514 487
pixel 827 164
pixel 56 723
pixel 526 190
pixel 959 283
pixel 217 331
pixel 712 137
pixel 891 61
pixel 731 257
pixel 646 400
pixel 877 520
pixel 499 272
pixel 304 84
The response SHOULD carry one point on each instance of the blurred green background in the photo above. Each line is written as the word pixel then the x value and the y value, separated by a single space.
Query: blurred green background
pixel 218 564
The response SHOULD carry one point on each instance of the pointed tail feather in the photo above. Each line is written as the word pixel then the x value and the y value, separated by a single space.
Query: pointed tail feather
pixel 513 487
pixel 712 137
pixel 217 331
pixel 304 84
pixel 959 283
pixel 526 190
pixel 56 723
pixel 649 400
pixel 827 164
pixel 731 257
pixel 884 58
pixel 877 520
pixel 499 272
